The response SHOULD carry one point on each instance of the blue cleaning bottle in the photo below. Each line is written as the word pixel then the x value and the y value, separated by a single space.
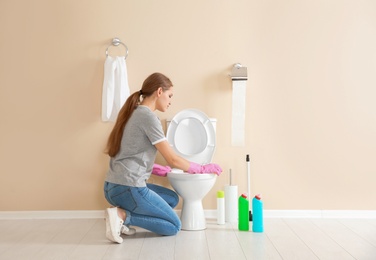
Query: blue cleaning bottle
pixel 257 216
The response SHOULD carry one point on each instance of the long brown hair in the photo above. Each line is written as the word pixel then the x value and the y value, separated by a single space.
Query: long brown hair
pixel 150 85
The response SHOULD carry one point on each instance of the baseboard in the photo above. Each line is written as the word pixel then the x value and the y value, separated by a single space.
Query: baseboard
pixel 210 214
pixel 310 213
pixel 52 214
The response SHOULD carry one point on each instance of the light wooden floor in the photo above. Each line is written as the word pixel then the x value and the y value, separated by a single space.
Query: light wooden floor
pixel 283 239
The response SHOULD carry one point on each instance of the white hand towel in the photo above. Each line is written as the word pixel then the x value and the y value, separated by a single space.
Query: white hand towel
pixel 115 87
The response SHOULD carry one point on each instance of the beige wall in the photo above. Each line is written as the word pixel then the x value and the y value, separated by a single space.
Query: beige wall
pixel 310 120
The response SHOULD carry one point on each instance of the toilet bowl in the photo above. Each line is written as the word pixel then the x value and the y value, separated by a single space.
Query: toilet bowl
pixel 191 134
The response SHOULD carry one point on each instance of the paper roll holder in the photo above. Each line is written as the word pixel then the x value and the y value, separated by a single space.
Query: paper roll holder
pixel 239 72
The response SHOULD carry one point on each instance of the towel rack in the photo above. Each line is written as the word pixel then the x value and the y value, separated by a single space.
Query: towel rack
pixel 116 42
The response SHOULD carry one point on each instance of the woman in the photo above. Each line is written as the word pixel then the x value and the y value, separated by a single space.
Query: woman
pixel 132 146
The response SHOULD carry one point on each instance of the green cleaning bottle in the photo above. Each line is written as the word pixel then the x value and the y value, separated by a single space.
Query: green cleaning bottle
pixel 243 210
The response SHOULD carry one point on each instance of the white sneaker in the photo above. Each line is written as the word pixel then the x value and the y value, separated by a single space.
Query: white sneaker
pixel 127 230
pixel 113 225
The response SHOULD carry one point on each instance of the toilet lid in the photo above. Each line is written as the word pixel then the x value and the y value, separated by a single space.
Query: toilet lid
pixel 192 136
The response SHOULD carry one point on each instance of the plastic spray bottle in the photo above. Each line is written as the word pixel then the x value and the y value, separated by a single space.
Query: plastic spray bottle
pixel 243 210
pixel 257 208
pixel 220 207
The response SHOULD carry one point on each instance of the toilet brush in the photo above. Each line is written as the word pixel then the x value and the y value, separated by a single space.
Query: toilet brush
pixel 248 161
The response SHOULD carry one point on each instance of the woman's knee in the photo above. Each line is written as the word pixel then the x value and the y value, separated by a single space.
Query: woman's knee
pixel 177 226
pixel 173 230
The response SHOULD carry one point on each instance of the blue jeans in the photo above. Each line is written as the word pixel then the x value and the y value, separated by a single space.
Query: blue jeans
pixel 149 207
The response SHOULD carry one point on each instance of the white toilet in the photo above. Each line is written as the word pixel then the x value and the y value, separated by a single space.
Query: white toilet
pixel 192 136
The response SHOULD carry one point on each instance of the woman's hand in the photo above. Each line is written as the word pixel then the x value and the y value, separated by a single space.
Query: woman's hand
pixel 206 168
pixel 160 170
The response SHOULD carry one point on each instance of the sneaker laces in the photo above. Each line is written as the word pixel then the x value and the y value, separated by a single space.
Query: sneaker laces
pixel 119 229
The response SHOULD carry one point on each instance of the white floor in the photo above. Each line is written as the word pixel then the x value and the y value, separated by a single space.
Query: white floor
pixel 284 238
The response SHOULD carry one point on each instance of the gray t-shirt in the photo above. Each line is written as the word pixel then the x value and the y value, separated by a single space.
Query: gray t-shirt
pixel 133 164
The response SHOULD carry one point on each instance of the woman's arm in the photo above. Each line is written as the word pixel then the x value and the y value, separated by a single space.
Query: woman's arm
pixel 174 160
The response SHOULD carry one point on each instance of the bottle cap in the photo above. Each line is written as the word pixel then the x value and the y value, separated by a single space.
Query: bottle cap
pixel 220 194
pixel 244 195
pixel 258 196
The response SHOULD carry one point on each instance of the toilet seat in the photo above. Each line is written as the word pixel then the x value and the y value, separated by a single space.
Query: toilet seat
pixel 192 136
pixel 181 175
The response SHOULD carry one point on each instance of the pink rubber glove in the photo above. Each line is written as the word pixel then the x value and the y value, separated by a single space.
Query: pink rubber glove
pixel 160 170
pixel 207 168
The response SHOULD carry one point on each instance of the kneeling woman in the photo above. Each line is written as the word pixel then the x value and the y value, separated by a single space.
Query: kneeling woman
pixel 132 146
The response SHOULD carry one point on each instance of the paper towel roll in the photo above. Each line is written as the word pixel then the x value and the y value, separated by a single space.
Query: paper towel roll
pixel 238 112
pixel 231 203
